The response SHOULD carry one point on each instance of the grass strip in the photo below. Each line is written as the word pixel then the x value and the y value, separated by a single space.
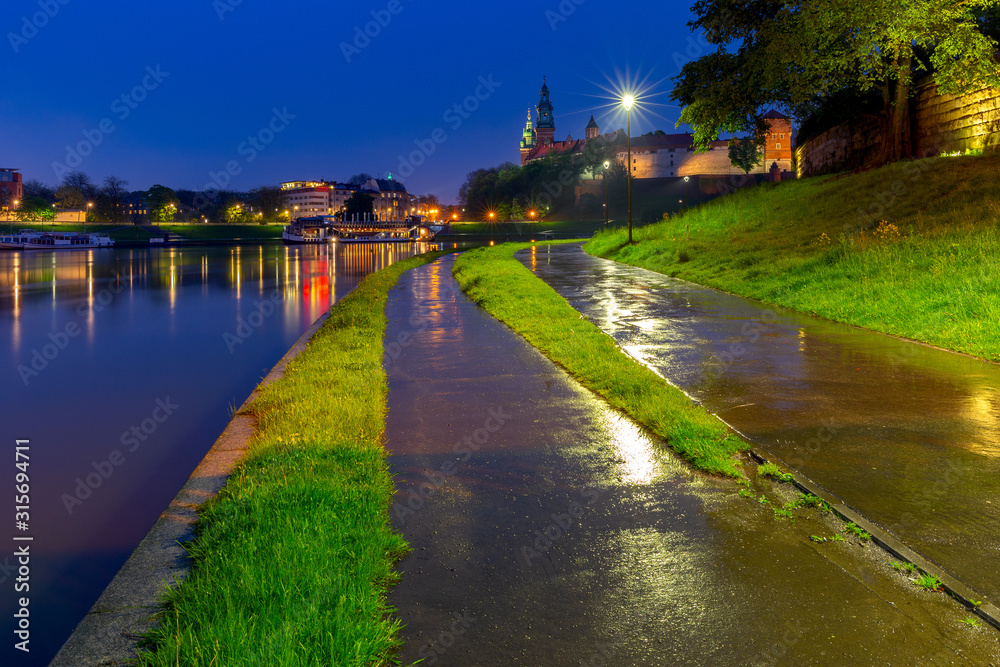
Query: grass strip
pixel 911 249
pixel 494 279
pixel 292 560
pixel 224 232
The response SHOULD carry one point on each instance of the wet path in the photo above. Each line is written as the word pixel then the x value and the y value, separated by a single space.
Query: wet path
pixel 548 530
pixel 906 434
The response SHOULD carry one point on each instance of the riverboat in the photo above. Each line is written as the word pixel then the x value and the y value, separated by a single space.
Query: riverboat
pixel 312 231
pixel 30 239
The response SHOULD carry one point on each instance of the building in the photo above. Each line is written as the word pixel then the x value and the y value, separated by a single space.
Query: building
pixel 656 155
pixel 11 189
pixel 392 201
pixel 305 199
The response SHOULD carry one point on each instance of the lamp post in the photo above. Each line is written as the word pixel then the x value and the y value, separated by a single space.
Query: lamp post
pixel 607 165
pixel 627 102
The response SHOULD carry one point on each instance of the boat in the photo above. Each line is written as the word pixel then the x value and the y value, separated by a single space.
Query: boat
pixel 315 230
pixel 31 239
pixel 327 229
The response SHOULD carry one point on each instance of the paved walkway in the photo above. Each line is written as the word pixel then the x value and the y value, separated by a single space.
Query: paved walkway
pixel 549 530
pixel 906 434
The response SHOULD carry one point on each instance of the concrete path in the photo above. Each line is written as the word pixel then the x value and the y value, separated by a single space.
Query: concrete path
pixel 906 434
pixel 549 530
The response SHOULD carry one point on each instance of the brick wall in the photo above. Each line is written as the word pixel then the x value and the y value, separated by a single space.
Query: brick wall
pixel 941 124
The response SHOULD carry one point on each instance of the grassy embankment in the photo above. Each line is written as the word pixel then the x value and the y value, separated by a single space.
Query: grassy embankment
pixel 293 559
pixel 508 291
pixel 224 232
pixel 929 272
pixel 526 228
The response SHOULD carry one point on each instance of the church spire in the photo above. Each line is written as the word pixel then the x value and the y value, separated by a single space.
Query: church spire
pixel 546 125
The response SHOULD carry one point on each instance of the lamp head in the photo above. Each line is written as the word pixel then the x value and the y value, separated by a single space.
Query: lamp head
pixel 628 101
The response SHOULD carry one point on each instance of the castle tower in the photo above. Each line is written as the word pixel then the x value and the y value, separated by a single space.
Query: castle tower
pixel 527 140
pixel 593 131
pixel 545 131
pixel 779 141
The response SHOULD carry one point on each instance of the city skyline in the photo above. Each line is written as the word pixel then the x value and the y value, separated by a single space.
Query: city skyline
pixel 200 97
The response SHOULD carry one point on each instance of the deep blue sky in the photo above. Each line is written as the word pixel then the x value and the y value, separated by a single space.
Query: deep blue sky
pixel 225 76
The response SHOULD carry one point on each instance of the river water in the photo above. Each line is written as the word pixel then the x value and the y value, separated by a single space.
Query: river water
pixel 121 368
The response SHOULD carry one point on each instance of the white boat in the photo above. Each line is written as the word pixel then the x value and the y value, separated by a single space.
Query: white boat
pixel 327 229
pixel 30 239
pixel 310 230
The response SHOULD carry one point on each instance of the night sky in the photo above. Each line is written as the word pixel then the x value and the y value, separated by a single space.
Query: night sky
pixel 212 74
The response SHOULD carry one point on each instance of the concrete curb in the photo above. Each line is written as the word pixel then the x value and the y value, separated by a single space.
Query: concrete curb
pixel 109 634
pixel 952 586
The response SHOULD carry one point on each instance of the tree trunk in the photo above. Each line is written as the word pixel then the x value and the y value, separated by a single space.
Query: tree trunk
pixel 896 144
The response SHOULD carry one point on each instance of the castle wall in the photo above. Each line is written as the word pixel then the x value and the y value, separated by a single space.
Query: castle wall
pixel 941 124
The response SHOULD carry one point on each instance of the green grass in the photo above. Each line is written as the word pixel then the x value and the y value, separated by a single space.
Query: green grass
pixel 928 582
pixel 293 559
pixel 904 567
pixel 118 231
pixel 511 293
pixel 855 529
pixel 932 273
pixel 224 232
pixel 772 470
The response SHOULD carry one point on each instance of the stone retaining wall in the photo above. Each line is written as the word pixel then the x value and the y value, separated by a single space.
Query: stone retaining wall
pixel 941 124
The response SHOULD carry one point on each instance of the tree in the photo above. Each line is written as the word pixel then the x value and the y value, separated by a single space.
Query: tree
pixel 360 179
pixel 79 181
pixel 788 53
pixel 162 202
pixel 268 201
pixel 746 153
pixel 68 197
pixel 6 197
pixel 35 188
pixel 33 209
pixel 236 211
pixel 358 205
pixel 595 154
pixel 111 200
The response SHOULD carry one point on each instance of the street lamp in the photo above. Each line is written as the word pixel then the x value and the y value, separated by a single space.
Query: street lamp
pixel 607 165
pixel 627 102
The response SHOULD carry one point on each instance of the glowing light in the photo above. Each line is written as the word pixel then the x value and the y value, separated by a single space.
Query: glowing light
pixel 628 101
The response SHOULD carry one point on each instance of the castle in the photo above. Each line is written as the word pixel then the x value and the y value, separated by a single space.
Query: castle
pixel 656 155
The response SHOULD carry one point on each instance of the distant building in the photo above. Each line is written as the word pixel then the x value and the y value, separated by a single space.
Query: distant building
pixel 304 199
pixel 11 188
pixel 659 155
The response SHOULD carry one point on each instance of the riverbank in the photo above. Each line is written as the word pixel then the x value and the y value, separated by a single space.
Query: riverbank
pixel 293 559
pixel 508 291
pixel 909 249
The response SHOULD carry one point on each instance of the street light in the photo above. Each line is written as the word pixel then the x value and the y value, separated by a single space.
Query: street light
pixel 607 165
pixel 627 102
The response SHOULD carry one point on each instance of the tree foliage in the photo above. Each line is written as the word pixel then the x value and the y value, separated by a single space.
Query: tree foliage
pixel 358 206
pixel 163 203
pixel 35 209
pixel 746 153
pixel 793 52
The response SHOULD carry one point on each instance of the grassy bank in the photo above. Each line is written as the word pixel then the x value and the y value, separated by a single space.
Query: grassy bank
pixel 293 559
pixel 224 232
pixel 912 249
pixel 564 228
pixel 509 292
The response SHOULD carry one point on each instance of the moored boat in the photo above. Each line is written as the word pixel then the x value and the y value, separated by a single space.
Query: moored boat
pixel 30 239
pixel 314 230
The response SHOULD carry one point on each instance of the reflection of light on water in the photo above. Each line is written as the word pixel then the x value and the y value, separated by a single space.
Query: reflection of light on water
pixel 639 465
pixel 802 340
pixel 983 410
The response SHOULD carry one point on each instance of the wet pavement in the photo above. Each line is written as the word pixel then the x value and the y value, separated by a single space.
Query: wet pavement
pixel 549 530
pixel 906 434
